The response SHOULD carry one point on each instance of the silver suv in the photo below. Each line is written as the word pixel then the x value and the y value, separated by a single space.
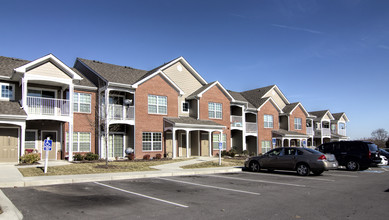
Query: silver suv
pixel 303 160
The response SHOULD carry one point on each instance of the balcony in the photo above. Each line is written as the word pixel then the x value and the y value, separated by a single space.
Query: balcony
pixel 236 121
pixel 48 106
pixel 323 132
pixel 310 131
pixel 120 112
pixel 342 132
pixel 251 128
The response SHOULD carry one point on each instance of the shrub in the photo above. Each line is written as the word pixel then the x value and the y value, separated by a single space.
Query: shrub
pixel 91 156
pixel 232 153
pixel 30 158
pixel 78 157
pixel 158 156
pixel 224 153
pixel 146 157
pixel 131 156
pixel 245 152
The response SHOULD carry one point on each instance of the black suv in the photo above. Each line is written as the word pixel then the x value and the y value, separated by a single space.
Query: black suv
pixel 355 155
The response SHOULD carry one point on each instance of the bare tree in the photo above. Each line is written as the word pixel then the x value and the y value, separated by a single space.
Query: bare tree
pixel 379 136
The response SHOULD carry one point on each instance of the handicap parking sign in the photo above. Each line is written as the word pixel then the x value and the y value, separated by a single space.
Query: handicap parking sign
pixel 220 145
pixel 47 144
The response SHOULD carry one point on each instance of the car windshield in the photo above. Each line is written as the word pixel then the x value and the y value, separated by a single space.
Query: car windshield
pixel 313 151
pixel 373 147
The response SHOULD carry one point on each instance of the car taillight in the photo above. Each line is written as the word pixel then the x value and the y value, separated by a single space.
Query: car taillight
pixel 369 154
pixel 322 157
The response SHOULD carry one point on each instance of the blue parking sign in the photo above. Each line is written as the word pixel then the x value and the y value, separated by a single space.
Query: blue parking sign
pixel 47 144
pixel 220 145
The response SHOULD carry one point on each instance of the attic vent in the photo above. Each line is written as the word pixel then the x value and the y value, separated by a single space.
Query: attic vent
pixel 96 61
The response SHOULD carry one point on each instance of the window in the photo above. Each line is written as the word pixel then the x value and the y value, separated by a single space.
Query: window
pixel 157 104
pixel 342 126
pixel 268 121
pixel 266 146
pixel 82 102
pixel 81 142
pixel 215 110
pixel 215 141
pixel 151 141
pixel 297 123
pixel 185 107
pixel 7 91
pixel 30 140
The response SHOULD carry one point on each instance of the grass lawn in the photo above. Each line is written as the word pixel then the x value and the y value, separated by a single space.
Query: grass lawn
pixel 91 168
pixel 226 162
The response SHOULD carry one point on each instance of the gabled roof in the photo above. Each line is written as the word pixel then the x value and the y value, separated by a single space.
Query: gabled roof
pixel 8 64
pixel 321 114
pixel 338 116
pixel 11 108
pixel 263 101
pixel 114 73
pixel 84 82
pixel 199 92
pixel 239 98
pixel 51 58
pixel 254 95
pixel 288 109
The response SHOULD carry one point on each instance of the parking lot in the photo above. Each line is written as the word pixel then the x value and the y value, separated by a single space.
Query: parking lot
pixel 336 194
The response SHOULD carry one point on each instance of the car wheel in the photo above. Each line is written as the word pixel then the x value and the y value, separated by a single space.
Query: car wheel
pixel 254 166
pixel 352 165
pixel 302 169
pixel 318 172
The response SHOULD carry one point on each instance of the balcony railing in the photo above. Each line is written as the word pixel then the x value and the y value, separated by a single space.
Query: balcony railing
pixel 120 112
pixel 323 132
pixel 342 132
pixel 236 121
pixel 309 130
pixel 251 128
pixel 48 106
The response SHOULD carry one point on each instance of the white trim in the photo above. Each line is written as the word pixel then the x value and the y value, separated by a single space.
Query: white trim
pixel 78 103
pixel 279 93
pixel 50 57
pixel 299 103
pixel 272 100
pixel 12 85
pixel 85 87
pixel 187 65
pixel 135 85
pixel 157 113
pixel 223 89
pixel 36 138
pixel 152 141
pixel 182 107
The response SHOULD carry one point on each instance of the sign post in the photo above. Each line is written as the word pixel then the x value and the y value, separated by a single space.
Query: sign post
pixel 220 149
pixel 47 144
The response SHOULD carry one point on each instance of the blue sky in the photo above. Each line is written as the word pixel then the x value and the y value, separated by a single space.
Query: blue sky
pixel 326 54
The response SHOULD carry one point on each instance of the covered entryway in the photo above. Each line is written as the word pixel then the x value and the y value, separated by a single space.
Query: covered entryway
pixel 9 144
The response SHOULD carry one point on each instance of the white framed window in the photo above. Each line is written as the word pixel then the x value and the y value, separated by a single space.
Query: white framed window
pixel 82 102
pixel 215 110
pixel 151 141
pixel 215 141
pixel 268 121
pixel 157 104
pixel 31 137
pixel 266 146
pixel 185 107
pixel 297 123
pixel 342 126
pixel 7 91
pixel 81 142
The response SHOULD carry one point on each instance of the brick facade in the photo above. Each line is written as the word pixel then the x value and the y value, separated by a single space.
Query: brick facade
pixel 298 113
pixel 265 134
pixel 145 122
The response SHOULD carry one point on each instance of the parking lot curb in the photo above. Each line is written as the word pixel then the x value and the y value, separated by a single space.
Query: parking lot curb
pixel 10 212
pixel 55 180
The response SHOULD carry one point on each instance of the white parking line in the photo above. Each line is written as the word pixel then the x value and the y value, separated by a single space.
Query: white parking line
pixel 260 181
pixel 209 186
pixel 141 195
pixel 298 177
pixel 384 169
pixel 342 175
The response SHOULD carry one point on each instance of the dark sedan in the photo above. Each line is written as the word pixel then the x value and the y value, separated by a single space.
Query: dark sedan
pixel 303 160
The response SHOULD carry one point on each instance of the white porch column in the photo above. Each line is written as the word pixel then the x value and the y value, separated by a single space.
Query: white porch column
pixel 288 142
pixel 106 92
pixel 174 143
pixel 71 94
pixel 244 147
pixel 22 138
pixel 282 142
pixel 24 94
pixel 187 143
pixel 210 143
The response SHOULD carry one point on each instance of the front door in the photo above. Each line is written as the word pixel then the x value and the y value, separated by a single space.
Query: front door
pixel 115 145
pixel 9 145
pixel 53 137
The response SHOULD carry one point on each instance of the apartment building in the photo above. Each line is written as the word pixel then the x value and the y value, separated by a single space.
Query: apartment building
pixel 170 110
pixel 36 103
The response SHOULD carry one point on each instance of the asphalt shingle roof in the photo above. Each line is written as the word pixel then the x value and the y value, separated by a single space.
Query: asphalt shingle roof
pixel 284 132
pixel 288 108
pixel 84 81
pixel 115 73
pixel 255 96
pixel 238 96
pixel 198 91
pixel 318 114
pixel 8 64
pixel 337 116
pixel 191 121
pixel 11 108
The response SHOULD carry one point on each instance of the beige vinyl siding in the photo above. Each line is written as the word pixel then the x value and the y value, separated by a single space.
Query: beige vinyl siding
pixel 185 80
pixel 276 97
pixel 342 119
pixel 48 69
pixel 325 117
